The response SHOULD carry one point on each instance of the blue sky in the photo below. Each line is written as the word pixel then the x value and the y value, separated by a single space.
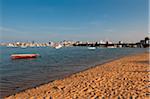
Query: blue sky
pixel 56 20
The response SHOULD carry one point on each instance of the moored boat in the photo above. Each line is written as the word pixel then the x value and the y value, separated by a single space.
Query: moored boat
pixel 57 46
pixel 91 48
pixel 24 56
pixel 23 46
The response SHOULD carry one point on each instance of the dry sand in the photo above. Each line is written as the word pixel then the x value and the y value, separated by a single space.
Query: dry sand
pixel 127 78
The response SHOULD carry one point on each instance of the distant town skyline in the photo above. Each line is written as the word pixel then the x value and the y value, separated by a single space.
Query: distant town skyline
pixel 77 20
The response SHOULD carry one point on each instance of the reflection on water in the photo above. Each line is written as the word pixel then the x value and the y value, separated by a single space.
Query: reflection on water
pixel 17 75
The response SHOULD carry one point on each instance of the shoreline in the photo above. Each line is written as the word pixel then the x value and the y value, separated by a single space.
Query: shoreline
pixel 53 87
pixel 66 76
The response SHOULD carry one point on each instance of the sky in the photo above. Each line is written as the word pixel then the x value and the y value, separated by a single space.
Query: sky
pixel 84 20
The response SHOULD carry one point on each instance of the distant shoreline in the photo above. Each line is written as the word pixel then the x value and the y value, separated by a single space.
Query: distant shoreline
pixel 103 44
pixel 58 87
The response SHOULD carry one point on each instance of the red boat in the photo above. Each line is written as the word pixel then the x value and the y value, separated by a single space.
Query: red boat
pixel 24 56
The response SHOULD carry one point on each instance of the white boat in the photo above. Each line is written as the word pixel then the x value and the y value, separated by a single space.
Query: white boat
pixel 58 46
pixel 91 48
pixel 11 46
pixel 23 46
pixel 111 47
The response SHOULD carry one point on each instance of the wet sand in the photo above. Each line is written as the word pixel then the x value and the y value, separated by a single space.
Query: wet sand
pixel 127 78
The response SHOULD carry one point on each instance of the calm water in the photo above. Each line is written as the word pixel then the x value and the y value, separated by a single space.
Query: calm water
pixel 18 75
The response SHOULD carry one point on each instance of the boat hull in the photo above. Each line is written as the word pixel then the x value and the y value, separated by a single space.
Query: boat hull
pixel 92 48
pixel 24 56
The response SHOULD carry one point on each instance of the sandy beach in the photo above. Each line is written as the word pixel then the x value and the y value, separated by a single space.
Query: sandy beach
pixel 127 78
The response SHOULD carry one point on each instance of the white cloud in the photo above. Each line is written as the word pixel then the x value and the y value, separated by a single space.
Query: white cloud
pixel 6 29
pixel 95 23
pixel 109 30
pixel 11 30
pixel 62 28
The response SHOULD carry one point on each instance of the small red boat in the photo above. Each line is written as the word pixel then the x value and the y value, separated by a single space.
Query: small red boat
pixel 24 56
